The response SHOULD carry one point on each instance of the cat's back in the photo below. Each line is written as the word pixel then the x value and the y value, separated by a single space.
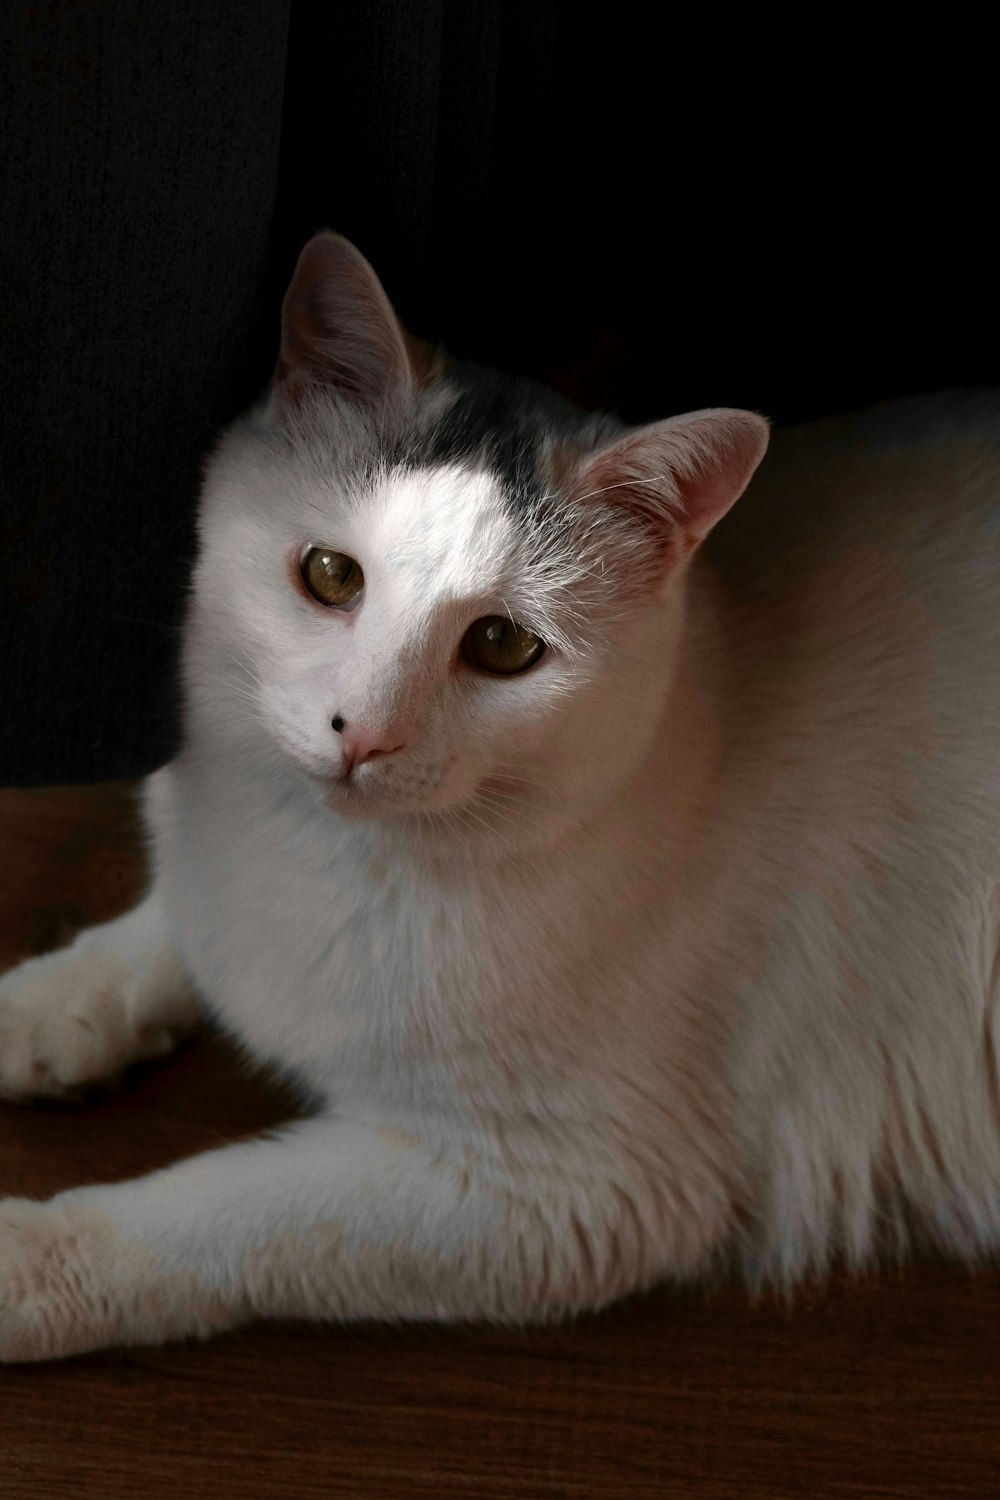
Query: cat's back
pixel 863 565
pixel 917 478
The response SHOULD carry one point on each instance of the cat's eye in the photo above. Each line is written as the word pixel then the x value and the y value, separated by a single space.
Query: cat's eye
pixel 331 577
pixel 496 644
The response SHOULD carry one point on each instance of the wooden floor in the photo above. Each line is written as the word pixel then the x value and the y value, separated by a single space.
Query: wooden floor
pixel 886 1388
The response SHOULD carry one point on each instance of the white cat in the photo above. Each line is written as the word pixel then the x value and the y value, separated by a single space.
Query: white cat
pixel 626 907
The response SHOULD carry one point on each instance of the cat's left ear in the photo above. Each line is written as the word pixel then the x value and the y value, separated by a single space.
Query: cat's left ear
pixel 338 329
pixel 679 476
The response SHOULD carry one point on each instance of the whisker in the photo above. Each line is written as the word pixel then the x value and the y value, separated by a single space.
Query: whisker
pixel 621 485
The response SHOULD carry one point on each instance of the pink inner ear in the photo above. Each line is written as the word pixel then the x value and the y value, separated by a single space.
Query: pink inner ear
pixel 338 328
pixel 681 475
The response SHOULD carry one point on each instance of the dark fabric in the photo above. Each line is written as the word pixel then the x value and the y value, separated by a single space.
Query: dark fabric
pixel 703 214
pixel 140 164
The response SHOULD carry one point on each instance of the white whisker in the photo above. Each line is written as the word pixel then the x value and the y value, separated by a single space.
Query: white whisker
pixel 605 489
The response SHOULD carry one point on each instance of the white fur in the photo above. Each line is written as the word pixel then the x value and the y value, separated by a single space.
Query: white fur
pixel 682 945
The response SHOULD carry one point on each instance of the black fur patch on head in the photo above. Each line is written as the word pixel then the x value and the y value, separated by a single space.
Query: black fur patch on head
pixel 503 424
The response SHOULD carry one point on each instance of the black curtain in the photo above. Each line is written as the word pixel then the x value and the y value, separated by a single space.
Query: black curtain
pixel 652 210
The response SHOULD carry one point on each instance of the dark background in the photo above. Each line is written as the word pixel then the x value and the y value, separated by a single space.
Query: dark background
pixel 794 217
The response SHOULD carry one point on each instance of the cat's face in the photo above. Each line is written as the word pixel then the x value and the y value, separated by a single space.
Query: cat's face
pixel 365 629
pixel 441 601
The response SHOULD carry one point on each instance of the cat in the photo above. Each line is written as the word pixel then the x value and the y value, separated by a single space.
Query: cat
pixel 621 888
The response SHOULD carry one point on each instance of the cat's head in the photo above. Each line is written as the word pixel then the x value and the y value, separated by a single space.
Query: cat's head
pixel 432 589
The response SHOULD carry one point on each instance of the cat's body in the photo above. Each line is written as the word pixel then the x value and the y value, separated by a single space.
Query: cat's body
pixel 679 945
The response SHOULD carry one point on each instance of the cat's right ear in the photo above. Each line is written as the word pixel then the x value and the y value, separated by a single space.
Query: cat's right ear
pixel 338 329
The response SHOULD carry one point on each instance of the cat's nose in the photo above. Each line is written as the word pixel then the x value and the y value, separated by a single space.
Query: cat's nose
pixel 360 745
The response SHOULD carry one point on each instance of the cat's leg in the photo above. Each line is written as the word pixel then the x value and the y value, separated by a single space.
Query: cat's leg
pixel 332 1219
pixel 115 996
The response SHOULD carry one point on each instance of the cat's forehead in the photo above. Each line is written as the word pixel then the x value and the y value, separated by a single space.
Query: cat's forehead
pixel 446 524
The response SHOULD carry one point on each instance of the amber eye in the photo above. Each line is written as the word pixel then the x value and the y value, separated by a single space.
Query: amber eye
pixel 496 644
pixel 331 577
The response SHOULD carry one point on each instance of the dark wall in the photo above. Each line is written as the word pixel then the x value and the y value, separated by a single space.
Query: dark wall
pixel 702 212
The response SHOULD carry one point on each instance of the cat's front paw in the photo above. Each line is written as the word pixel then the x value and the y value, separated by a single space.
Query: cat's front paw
pixel 71 1019
pixel 50 1259
pixel 78 1275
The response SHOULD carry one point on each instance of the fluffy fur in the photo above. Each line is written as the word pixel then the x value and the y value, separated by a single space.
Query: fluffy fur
pixel 677 950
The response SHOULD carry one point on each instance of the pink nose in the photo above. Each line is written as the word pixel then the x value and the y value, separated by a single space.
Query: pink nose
pixel 359 745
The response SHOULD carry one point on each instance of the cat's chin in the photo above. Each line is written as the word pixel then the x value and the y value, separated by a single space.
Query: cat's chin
pixel 365 804
pixel 359 803
pixel 495 805
pixel 370 805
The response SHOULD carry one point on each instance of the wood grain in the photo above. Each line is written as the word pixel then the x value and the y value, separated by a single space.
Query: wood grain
pixel 886 1387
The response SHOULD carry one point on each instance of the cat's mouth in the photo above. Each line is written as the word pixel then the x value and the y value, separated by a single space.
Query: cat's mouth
pixel 446 792
pixel 502 810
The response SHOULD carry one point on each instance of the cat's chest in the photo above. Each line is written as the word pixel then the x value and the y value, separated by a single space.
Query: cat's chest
pixel 329 958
